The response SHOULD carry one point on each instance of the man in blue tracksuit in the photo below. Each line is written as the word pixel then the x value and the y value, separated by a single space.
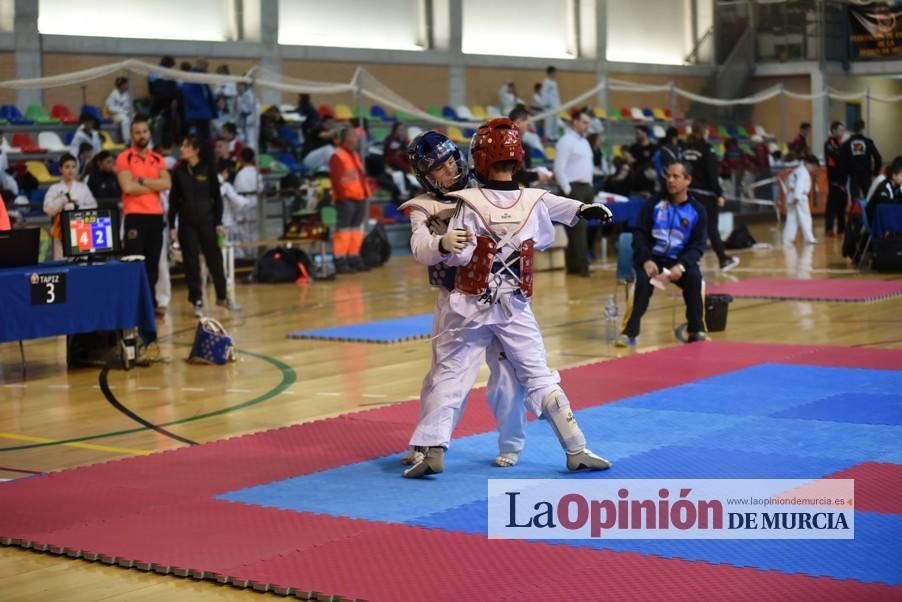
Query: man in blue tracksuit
pixel 671 234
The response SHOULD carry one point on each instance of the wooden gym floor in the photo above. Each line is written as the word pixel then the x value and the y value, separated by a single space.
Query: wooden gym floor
pixel 52 419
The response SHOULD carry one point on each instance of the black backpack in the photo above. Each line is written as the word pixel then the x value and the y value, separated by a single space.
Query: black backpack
pixel 375 249
pixel 282 264
pixel 740 238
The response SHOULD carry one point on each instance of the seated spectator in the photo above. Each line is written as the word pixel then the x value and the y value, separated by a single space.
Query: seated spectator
pixel 102 182
pixel 226 90
pixel 889 190
pixel 527 176
pixel 223 115
pixel 230 136
pixel 671 234
pixel 119 104
pixel 85 159
pixel 270 121
pixel 619 181
pixel 86 132
pixel 66 195
pixel 318 146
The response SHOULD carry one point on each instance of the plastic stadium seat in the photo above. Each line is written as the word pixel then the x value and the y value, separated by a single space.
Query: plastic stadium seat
pixel 761 131
pixel 636 114
pixel 456 134
pixel 39 114
pixel 26 143
pixel 565 115
pixel 37 197
pixel 448 113
pixel 659 131
pixel 414 131
pixel 40 172
pixel 742 132
pixel 51 141
pixel 731 131
pixel 404 117
pixel 290 136
pixel 649 114
pixel 378 112
pixel 683 131
pixel 626 113
pixel 616 150
pixel 288 160
pixel 106 142
pixel 94 112
pixel 550 153
pixel 536 154
pixel 659 114
pixel 463 113
pixel 343 112
pixel 434 111
pixel 492 111
pixel 13 115
pixel 326 111
pixel 63 113
pixel 478 112
pixel 379 134
pixel 722 132
pixel 6 148
pixel 600 112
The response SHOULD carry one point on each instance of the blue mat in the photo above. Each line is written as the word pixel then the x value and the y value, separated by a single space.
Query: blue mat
pixel 804 422
pixel 381 331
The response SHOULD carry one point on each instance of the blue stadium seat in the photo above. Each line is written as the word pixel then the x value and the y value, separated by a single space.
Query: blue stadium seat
pixel 449 113
pixel 37 196
pixel 377 112
pixel 288 160
pixel 94 112
pixel 13 115
pixel 290 137
pixel 67 139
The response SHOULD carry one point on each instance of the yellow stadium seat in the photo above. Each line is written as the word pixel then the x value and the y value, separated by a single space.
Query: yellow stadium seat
pixel 455 134
pixel 564 115
pixel 478 112
pixel 659 114
pixel 616 150
pixel 39 170
pixel 600 112
pixel 550 153
pixel 343 112
pixel 106 141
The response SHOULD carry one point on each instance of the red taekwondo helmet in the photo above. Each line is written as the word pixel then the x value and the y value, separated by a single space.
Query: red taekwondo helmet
pixel 495 141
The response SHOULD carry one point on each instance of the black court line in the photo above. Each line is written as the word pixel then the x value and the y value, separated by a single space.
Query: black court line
pixel 21 470
pixel 105 389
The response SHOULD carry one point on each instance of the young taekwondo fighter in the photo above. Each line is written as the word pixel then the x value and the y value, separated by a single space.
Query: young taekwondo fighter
pixel 501 225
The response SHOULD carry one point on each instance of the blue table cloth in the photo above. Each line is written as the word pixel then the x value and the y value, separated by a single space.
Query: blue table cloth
pixel 107 296
pixel 887 218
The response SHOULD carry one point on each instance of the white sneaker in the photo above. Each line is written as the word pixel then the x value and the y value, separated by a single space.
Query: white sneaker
pixel 507 459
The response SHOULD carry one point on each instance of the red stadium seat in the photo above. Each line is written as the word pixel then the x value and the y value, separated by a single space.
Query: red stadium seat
pixel 26 143
pixel 63 113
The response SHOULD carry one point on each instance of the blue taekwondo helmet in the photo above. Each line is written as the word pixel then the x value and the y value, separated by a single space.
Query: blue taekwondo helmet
pixel 429 151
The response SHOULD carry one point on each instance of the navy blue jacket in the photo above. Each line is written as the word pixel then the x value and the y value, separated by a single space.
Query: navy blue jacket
pixel 670 233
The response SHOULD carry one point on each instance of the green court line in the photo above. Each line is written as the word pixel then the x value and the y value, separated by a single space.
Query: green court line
pixel 289 377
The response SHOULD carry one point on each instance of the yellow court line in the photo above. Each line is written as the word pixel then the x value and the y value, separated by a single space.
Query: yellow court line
pixel 106 448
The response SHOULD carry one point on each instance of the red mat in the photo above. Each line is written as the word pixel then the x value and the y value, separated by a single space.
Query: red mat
pixel 157 512
pixel 829 289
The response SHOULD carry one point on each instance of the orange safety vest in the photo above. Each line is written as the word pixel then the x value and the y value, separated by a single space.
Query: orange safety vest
pixel 348 177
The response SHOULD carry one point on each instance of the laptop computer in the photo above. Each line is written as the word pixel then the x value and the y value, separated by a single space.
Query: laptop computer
pixel 19 248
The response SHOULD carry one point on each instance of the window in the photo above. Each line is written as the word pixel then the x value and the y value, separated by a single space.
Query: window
pixel 650 31
pixel 386 24
pixel 204 20
pixel 532 28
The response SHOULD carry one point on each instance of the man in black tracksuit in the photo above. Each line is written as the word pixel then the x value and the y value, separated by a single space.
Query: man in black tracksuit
pixel 862 161
pixel 706 187
pixel 836 176
pixel 196 201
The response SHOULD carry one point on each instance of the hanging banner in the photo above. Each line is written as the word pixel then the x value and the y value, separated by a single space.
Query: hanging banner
pixel 876 32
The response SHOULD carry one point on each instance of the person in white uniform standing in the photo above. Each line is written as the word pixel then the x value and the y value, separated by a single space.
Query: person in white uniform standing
pixel 551 101
pixel 502 226
pixel 119 104
pixel 797 189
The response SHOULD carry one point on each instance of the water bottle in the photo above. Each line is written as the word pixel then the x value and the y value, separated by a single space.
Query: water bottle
pixel 611 325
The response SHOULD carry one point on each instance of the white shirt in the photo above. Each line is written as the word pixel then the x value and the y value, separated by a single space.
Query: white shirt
pixel 232 203
pixel 798 185
pixel 572 160
pixel 79 194
pixel 247 183
pixel 82 136
pixel 550 96
pixel 119 103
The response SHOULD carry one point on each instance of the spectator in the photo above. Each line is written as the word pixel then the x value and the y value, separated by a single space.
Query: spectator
pixel 86 132
pixel 706 187
pixel 670 151
pixel 199 103
pixel 670 234
pixel 732 166
pixel 551 101
pixel 836 180
pixel 600 167
pixel 66 195
pixel 350 190
pixel 233 204
pixel 230 136
pixel 163 290
pixel 619 182
pixel 102 182
pixel 507 97
pixel 527 176
pixel 164 105
pixel 643 151
pixel 226 90
pixel 312 118
pixel 248 112
pixel 888 191
pixel 223 116
pixel 195 219
pixel 119 104
pixel 142 176
pixel 271 121
pixel 318 146
pixel 573 172
pixel 537 102
pixel 224 158
pixel 394 151
pixel 248 184
pixel 9 188
pixel 861 160
pixel 798 189
pixel 801 144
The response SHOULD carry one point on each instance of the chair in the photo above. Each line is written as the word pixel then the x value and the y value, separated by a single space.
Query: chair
pixel 636 114
pixel 659 114
pixel 326 111
pixel 536 154
pixel 463 113
pixel 626 113
pixel 63 113
pixel 6 148
pixel 94 112
pixel 378 112
pixel 742 132
pixel 51 141
pixel 448 113
pixel 600 112
pixel 379 134
pixel 290 136
pixel 13 115
pixel 478 112
pixel 550 152
pixel 435 111
pixel 414 131
pixel 456 134
pixel 668 114
pixel 288 160
pixel 106 142
pixel 26 143
pixel 659 131
pixel 343 112
pixel 649 114
pixel 39 114
pixel 40 172
pixel 492 112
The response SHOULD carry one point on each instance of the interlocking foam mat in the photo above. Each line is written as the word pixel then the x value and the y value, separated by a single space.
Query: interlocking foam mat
pixel 320 509
pixel 830 289
pixel 382 331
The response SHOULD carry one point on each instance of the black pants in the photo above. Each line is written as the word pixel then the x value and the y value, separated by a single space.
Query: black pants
pixel 691 283
pixel 576 258
pixel 836 208
pixel 196 239
pixel 709 202
pixel 144 236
